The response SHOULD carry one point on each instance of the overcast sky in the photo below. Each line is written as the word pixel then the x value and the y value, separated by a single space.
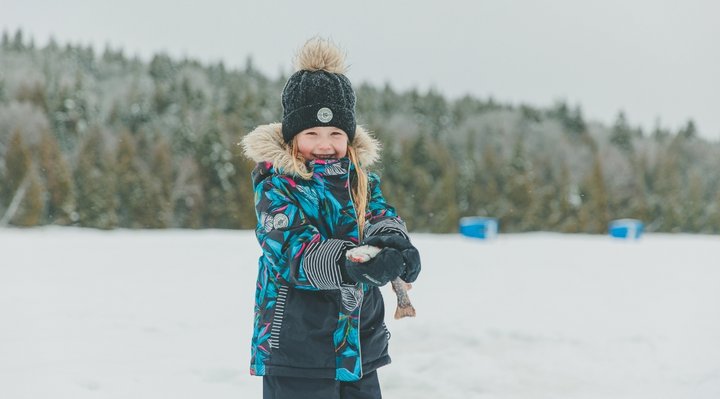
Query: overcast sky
pixel 654 59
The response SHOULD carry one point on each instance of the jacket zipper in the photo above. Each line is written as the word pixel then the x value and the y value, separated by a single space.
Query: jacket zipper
pixel 362 288
pixel 352 202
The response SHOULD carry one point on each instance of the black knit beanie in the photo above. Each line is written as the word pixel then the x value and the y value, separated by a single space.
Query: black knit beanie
pixel 318 94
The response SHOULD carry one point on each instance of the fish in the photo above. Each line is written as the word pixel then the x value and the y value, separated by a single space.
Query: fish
pixel 404 308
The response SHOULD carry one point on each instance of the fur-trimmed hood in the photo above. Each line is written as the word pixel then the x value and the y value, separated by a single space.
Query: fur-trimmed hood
pixel 266 144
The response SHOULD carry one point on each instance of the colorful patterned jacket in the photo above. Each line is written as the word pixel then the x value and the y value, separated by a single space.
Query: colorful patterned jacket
pixel 308 322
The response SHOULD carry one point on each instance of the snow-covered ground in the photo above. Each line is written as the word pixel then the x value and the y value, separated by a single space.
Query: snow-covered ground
pixel 167 314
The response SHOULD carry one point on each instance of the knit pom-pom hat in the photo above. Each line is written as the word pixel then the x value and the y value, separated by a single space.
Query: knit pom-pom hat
pixel 318 93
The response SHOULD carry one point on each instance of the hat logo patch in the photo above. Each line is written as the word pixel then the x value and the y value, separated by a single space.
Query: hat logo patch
pixel 324 115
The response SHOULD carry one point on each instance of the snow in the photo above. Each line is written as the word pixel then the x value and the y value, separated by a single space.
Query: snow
pixel 168 314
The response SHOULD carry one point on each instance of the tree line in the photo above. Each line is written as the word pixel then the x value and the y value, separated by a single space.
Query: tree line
pixel 105 140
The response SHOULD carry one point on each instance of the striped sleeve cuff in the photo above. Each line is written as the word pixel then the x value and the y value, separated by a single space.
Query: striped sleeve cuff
pixel 320 263
pixel 387 226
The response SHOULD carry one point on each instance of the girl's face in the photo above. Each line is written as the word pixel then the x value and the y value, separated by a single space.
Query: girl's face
pixel 322 142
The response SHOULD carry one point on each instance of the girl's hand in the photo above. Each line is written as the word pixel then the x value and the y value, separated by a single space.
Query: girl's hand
pixel 410 254
pixel 384 267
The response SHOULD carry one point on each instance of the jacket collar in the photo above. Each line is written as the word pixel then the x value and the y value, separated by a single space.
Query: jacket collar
pixel 265 145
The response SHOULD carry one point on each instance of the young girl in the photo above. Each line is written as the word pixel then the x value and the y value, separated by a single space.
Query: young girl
pixel 319 330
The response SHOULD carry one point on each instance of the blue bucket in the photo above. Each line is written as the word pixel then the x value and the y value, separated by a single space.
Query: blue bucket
pixel 630 229
pixel 479 227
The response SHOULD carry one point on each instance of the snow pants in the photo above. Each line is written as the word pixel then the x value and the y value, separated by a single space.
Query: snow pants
pixel 318 388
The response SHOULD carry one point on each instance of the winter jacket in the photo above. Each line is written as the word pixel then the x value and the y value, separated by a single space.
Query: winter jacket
pixel 308 322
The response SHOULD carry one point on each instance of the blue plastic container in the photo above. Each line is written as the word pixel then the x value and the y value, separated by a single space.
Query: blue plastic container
pixel 630 229
pixel 479 227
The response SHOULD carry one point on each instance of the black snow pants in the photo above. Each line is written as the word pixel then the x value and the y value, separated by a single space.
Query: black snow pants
pixel 318 388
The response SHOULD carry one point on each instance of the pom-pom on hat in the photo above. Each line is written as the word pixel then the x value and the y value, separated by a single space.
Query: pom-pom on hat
pixel 318 94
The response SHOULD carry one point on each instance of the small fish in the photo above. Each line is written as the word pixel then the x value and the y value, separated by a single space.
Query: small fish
pixel 404 308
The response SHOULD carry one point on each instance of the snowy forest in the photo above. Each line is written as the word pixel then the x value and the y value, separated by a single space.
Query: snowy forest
pixel 106 140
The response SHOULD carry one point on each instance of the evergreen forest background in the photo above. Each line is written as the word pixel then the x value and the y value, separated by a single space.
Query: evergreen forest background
pixel 107 141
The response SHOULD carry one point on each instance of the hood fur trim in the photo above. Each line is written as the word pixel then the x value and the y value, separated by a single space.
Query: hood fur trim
pixel 266 144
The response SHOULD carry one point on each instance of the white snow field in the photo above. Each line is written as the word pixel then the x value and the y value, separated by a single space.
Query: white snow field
pixel 168 314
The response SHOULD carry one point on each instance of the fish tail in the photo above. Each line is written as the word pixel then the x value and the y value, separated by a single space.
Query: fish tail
pixel 405 311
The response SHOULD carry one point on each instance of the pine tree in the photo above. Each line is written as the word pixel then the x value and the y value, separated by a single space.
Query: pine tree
pixel 32 206
pixel 408 183
pixel 69 113
pixel 162 68
pixel 593 214
pixel 18 43
pixel 243 191
pixel 714 218
pixel 137 112
pixel 468 187
pixel 139 200
pixel 163 72
pixel 543 209
pixel 129 186
pixel 659 134
pixel 191 97
pixel 162 165
pixel 621 135
pixel 22 191
pixel 689 131
pixel 52 46
pixel 33 93
pixel 189 195
pixel 58 180
pixel 419 181
pixel 5 40
pixel 95 182
pixel 389 173
pixel 111 56
pixel 638 204
pixel 694 204
pixel 3 90
pixel 443 199
pixel 216 172
pixel 520 189
pixel 567 217
pixel 491 180
pixel 17 163
pixel 574 122
pixel 667 190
